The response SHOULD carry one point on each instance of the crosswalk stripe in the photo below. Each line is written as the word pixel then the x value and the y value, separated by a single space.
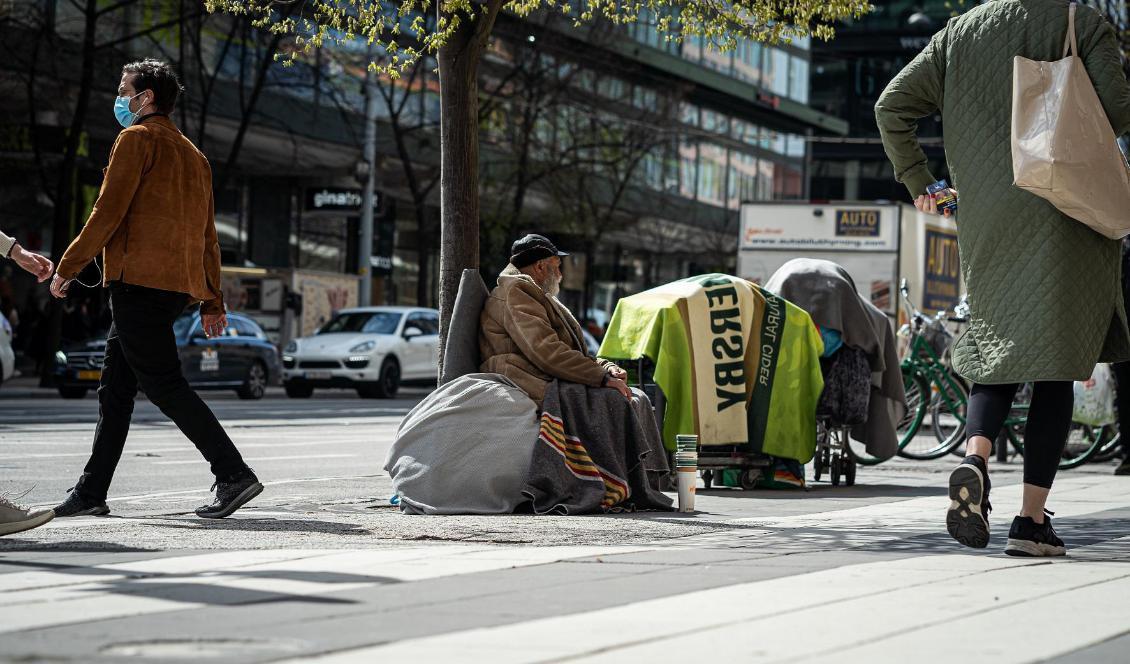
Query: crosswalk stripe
pixel 112 591
pixel 812 614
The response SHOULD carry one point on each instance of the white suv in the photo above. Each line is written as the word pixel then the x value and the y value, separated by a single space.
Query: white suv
pixel 369 349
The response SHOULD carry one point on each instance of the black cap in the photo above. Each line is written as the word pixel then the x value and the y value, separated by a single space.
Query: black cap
pixel 532 249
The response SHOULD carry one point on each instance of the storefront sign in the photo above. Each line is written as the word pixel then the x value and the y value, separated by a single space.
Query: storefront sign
pixel 805 228
pixel 322 199
pixel 857 223
pixel 942 270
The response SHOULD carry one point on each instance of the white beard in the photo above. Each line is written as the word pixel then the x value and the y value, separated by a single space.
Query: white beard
pixel 552 287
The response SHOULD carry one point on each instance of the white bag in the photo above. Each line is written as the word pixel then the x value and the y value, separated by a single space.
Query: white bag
pixel 1094 399
pixel 1063 147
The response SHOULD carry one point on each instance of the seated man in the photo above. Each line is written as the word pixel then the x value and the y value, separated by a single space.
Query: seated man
pixel 595 428
pixel 529 336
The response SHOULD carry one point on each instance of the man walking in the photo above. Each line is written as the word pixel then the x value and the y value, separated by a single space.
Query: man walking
pixel 154 222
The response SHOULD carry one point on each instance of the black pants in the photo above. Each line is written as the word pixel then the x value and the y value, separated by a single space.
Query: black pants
pixel 1045 435
pixel 1122 378
pixel 141 349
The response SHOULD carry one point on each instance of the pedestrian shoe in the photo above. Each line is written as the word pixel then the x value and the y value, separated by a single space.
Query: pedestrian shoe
pixel 1030 539
pixel 1124 468
pixel 78 505
pixel 16 519
pixel 967 519
pixel 231 494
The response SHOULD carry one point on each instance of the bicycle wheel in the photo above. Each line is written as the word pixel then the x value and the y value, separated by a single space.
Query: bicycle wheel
pixel 917 400
pixel 1082 442
pixel 946 405
pixel 1112 448
pixel 947 417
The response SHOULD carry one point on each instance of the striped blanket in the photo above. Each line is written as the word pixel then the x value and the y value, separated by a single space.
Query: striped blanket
pixel 595 453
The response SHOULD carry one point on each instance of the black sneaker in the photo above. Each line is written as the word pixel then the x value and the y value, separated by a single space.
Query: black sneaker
pixel 1123 468
pixel 1031 539
pixel 78 505
pixel 968 517
pixel 231 494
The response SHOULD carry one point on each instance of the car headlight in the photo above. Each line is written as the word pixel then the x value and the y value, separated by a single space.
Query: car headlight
pixel 364 347
pixel 60 357
pixel 291 347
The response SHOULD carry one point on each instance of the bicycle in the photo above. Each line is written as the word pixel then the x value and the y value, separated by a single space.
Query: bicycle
pixel 934 387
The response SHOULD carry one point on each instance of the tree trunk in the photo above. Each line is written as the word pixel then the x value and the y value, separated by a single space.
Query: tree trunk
pixel 62 230
pixel 459 156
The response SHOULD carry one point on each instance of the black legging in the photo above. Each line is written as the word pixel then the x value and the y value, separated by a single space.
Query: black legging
pixel 1049 421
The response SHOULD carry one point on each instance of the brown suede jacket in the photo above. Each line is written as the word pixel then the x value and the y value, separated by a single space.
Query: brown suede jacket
pixel 153 219
pixel 531 338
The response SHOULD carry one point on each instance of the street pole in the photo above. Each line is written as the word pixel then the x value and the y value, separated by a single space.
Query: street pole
pixel 365 250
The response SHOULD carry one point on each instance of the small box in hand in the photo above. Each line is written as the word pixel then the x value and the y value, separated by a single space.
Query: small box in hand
pixel 945 200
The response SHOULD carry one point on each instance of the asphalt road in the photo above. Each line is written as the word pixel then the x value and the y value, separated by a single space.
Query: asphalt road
pixel 45 440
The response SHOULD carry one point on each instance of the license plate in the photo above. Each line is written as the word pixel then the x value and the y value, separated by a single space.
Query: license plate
pixel 318 375
pixel 92 374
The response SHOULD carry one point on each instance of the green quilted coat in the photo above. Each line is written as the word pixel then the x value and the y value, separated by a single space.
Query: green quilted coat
pixel 1044 289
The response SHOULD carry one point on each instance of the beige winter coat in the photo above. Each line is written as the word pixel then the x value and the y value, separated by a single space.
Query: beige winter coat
pixel 531 338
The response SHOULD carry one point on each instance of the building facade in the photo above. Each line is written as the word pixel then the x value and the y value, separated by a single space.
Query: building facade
pixel 631 150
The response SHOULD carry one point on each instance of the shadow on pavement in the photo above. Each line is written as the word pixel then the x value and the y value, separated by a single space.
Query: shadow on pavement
pixel 828 491
pixel 8 544
pixel 250 524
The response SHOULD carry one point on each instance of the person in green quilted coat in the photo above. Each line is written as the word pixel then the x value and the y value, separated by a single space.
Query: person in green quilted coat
pixel 1044 289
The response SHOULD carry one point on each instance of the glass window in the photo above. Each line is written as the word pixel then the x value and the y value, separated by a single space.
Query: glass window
pixel 747 61
pixel 428 323
pixel 794 146
pixel 373 322
pixel 775 75
pixel 644 98
pixel 688 114
pixel 246 328
pixel 688 169
pixel 798 79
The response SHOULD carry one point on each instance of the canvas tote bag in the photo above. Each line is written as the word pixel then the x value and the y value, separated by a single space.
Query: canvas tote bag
pixel 1063 147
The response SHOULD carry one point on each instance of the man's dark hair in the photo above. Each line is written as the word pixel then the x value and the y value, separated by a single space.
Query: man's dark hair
pixel 158 76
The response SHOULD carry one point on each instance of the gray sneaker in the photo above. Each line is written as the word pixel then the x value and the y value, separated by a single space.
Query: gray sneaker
pixel 16 519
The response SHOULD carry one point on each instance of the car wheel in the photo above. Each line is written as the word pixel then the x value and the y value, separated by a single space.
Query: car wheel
pixel 73 392
pixel 254 383
pixel 387 384
pixel 298 391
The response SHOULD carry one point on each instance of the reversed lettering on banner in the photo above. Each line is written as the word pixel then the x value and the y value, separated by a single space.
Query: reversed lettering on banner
pixel 719 318
pixel 772 325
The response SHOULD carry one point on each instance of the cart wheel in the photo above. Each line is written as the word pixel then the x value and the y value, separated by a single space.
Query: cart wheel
pixel 707 478
pixel 749 478
pixel 837 470
pixel 849 471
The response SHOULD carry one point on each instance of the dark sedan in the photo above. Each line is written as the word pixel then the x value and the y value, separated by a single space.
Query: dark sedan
pixel 242 359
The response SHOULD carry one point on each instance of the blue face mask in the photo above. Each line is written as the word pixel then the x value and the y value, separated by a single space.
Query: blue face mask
pixel 121 110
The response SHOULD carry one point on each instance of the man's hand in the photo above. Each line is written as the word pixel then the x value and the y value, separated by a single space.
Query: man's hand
pixel 59 286
pixel 618 385
pixel 32 262
pixel 214 324
pixel 617 372
pixel 928 203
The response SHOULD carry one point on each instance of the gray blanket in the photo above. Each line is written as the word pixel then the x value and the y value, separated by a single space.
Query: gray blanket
pixel 826 291
pixel 465 449
pixel 595 452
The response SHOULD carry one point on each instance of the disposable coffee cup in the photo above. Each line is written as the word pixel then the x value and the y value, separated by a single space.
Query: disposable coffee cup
pixel 688 478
